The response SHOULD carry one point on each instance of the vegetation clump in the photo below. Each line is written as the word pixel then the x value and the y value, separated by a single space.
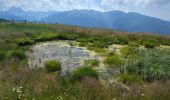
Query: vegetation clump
pixel 17 55
pixel 24 41
pixel 150 64
pixel 52 66
pixel 92 63
pixel 121 41
pixel 81 73
pixel 149 45
pixel 2 55
pixel 130 79
pixel 139 67
pixel 128 52
pixel 113 61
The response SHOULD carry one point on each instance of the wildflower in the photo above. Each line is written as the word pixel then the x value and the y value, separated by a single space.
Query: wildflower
pixel 13 89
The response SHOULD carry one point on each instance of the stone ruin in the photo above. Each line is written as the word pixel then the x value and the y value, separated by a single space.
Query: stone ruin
pixel 70 57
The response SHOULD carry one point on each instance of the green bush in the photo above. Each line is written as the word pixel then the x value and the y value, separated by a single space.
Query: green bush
pixel 72 37
pixel 151 64
pixel 2 55
pixel 63 37
pixel 133 44
pixel 130 79
pixel 100 44
pixel 17 55
pixel 128 52
pixel 24 41
pixel 45 37
pixel 81 73
pixel 83 44
pixel 149 45
pixel 52 66
pixel 82 40
pixel 121 41
pixel 92 63
pixel 113 60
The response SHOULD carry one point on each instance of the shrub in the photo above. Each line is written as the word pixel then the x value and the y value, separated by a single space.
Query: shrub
pixel 150 64
pixel 24 41
pixel 46 37
pixel 72 37
pixel 52 66
pixel 130 79
pixel 17 55
pixel 133 44
pixel 82 40
pixel 121 41
pixel 100 50
pixel 91 40
pixel 149 42
pixel 100 44
pixel 63 37
pixel 149 45
pixel 92 63
pixel 83 44
pixel 113 61
pixel 2 55
pixel 81 73
pixel 128 52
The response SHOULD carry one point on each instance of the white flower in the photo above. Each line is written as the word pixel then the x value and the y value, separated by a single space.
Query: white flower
pixel 13 89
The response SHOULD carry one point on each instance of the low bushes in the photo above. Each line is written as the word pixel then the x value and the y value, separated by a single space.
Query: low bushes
pixel 149 45
pixel 81 73
pixel 17 55
pixel 92 63
pixel 24 41
pixel 130 79
pixel 121 41
pixel 100 44
pixel 113 61
pixel 151 64
pixel 45 37
pixel 128 52
pixel 2 55
pixel 52 66
pixel 63 37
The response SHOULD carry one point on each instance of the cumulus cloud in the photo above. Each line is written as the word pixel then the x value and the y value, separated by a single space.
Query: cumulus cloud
pixel 141 6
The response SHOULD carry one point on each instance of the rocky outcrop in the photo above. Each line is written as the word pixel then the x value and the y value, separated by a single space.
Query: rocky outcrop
pixel 70 57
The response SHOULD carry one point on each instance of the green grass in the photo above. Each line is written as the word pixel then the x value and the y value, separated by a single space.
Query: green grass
pixel 52 66
pixel 151 64
pixel 144 71
pixel 81 73
pixel 112 60
pixel 92 63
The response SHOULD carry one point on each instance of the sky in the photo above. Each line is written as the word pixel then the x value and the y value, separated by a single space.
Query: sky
pixel 154 8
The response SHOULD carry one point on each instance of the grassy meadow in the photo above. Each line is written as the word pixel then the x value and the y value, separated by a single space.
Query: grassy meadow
pixel 143 60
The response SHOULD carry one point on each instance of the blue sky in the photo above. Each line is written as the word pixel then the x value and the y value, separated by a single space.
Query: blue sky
pixel 155 8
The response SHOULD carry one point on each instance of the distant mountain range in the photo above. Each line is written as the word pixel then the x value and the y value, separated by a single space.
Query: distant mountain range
pixel 131 22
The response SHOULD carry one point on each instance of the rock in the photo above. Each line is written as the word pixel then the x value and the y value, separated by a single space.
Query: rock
pixel 70 57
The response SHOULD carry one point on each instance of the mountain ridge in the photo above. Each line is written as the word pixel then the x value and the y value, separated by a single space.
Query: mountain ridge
pixel 118 20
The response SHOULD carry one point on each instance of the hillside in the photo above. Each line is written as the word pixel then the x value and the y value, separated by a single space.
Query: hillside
pixel 129 22
pixel 58 62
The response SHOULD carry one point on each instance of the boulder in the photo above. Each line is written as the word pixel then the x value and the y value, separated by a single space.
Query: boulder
pixel 70 57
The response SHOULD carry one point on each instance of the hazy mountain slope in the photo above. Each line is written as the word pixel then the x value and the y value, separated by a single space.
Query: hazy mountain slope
pixel 132 22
